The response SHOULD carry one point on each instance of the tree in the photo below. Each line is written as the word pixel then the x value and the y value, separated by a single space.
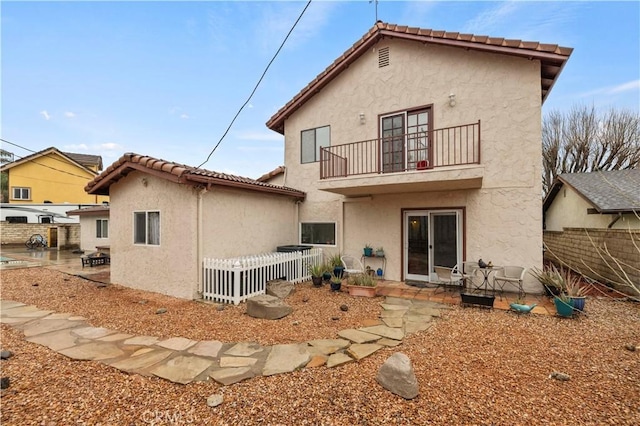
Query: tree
pixel 585 140
pixel 5 157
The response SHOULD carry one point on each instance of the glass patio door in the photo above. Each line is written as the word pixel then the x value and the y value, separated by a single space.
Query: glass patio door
pixel 431 238
pixel 405 141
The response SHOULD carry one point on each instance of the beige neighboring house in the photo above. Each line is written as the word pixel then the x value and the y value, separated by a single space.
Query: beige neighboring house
pixel 94 228
pixel 426 143
pixel 275 176
pixel 166 217
pixel 594 200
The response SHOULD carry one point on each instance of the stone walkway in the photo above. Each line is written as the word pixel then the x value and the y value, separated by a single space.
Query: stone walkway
pixel 183 360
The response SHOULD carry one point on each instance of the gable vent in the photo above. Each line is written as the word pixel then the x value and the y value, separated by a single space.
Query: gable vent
pixel 383 57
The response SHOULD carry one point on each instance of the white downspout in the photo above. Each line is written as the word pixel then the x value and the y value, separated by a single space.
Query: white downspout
pixel 199 242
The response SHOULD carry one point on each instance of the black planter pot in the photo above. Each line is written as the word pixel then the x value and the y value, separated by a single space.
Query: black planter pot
pixel 326 276
pixel 336 286
pixel 478 299
pixel 338 271
pixel 317 281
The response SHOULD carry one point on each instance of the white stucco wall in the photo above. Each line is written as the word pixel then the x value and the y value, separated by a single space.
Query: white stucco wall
pixel 504 217
pixel 240 223
pixel 234 223
pixel 172 267
pixel 88 239
pixel 569 210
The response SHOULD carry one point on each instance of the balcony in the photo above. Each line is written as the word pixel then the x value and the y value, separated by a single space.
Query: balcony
pixel 437 160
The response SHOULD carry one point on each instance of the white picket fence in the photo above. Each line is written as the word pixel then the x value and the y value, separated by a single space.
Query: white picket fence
pixel 236 280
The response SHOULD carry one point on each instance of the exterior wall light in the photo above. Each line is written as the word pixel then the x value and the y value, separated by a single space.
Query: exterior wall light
pixel 452 100
pixel 362 119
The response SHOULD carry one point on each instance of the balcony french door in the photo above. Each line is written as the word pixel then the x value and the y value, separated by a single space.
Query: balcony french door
pixel 431 238
pixel 405 141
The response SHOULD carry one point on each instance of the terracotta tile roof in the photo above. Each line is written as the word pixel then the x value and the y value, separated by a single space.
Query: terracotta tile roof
pixel 179 173
pixel 86 159
pixel 608 192
pixel 551 56
pixel 273 173
pixel 96 210
pixel 71 157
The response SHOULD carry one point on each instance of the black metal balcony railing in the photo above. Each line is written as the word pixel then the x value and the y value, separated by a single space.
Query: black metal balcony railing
pixel 449 146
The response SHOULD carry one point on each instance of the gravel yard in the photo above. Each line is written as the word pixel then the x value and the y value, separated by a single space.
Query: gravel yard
pixel 473 366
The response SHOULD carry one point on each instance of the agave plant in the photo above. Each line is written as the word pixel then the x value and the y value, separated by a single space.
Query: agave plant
pixel 572 285
pixel 550 277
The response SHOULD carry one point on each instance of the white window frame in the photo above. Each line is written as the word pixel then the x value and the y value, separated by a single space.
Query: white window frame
pixel 21 189
pixel 101 224
pixel 318 222
pixel 146 231
pixel 316 146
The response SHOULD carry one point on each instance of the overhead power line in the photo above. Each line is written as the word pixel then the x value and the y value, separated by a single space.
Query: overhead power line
pixel 256 86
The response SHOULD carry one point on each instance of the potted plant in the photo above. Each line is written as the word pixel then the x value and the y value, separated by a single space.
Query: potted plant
pixel 380 252
pixel 335 265
pixel 564 307
pixel 368 250
pixel 551 280
pixel 336 283
pixel 316 272
pixel 573 289
pixel 362 285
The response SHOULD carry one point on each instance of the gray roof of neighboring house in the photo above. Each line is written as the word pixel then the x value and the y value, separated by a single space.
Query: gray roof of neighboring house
pixel 608 192
pixel 85 159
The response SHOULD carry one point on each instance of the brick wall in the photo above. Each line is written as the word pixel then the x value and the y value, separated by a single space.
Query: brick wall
pixel 577 246
pixel 18 233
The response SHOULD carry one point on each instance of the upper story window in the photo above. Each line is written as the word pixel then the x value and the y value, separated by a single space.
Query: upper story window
pixel 318 233
pixel 146 228
pixel 311 141
pixel 21 193
pixel 102 228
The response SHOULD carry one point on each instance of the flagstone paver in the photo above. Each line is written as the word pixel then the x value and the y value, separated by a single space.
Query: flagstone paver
pixel 229 376
pixel 362 350
pixel 93 332
pixel 245 349
pixel 358 336
pixel 177 343
pixel 93 351
pixel 182 369
pixel 338 359
pixel 182 360
pixel 237 361
pixel 286 358
pixel 56 340
pixel 385 331
pixel 206 348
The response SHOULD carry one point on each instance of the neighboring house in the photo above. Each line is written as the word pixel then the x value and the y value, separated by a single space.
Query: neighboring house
pixel 53 176
pixel 94 227
pixel 427 143
pixel 595 200
pixel 165 218
pixel 275 176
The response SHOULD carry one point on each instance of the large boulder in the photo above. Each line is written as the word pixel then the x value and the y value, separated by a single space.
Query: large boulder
pixel 279 288
pixel 267 307
pixel 397 375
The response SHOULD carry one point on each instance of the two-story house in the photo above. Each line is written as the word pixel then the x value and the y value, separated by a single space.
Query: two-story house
pixel 427 143
pixel 53 176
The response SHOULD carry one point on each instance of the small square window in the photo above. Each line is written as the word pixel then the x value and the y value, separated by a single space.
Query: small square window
pixel 21 193
pixel 102 228
pixel 146 228
pixel 311 141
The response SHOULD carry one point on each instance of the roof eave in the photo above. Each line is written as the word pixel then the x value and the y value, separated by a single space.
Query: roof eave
pixel 212 181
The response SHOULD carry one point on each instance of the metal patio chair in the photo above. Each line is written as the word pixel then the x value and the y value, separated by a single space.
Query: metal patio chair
pixel 513 275
pixel 352 265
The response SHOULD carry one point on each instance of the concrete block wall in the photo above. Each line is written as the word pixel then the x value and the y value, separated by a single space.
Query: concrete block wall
pixel 579 246
pixel 18 233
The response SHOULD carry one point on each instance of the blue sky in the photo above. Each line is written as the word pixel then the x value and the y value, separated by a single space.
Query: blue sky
pixel 165 78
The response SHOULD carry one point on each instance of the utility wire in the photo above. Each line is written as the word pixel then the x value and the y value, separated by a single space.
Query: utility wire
pixel 256 86
pixel 44 165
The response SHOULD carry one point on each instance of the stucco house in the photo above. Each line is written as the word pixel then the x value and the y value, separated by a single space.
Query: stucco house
pixel 426 143
pixel 94 227
pixel 166 217
pixel 595 200
pixel 53 176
